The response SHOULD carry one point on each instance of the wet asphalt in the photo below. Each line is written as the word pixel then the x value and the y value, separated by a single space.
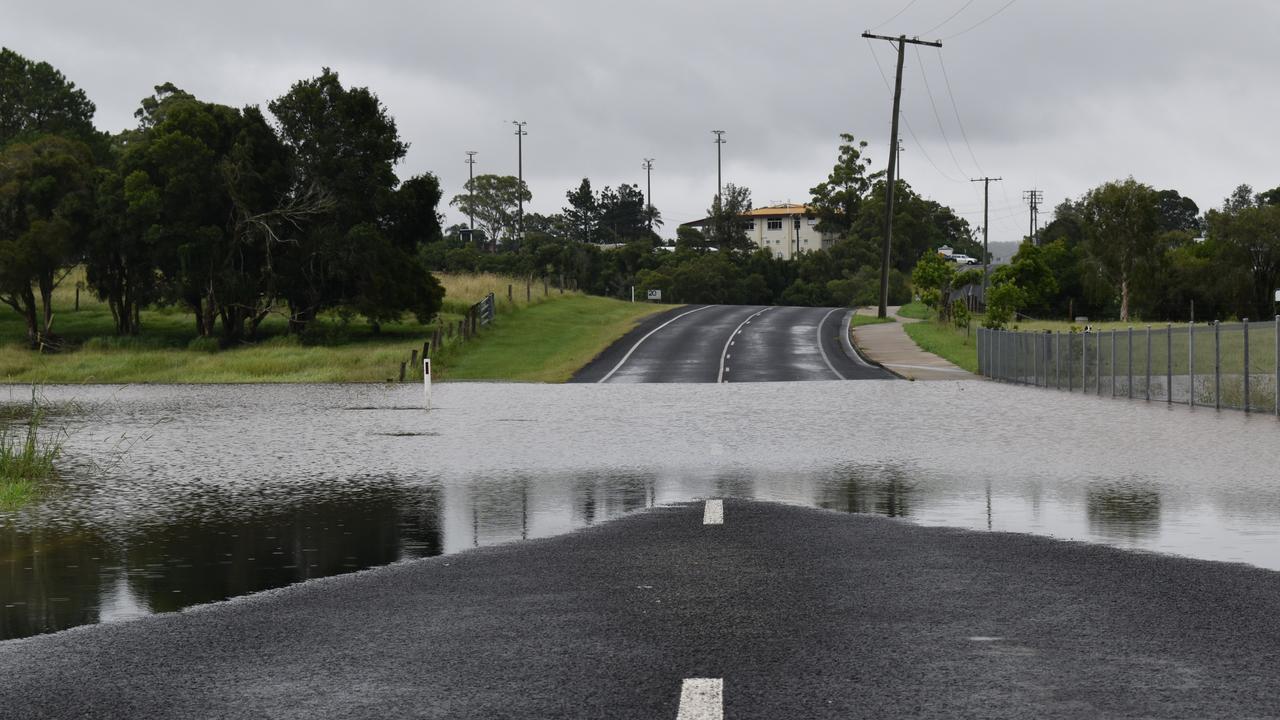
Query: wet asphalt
pixel 803 613
pixel 692 343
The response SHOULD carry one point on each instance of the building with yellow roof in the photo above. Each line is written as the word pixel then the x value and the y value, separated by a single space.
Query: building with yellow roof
pixel 786 230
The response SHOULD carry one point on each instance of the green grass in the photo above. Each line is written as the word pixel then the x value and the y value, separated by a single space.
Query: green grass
pixel 946 341
pixel 860 320
pixel 916 311
pixel 26 459
pixel 571 327
pixel 547 342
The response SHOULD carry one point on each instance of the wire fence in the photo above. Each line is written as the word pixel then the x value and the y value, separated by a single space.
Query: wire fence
pixel 1232 366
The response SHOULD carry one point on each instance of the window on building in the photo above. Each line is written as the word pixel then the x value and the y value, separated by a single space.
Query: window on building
pixel 775 224
pixel 751 224
pixel 813 221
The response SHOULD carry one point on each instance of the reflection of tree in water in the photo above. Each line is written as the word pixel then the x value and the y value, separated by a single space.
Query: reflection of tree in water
pixel 878 490
pixel 74 574
pixel 1123 511
pixel 599 497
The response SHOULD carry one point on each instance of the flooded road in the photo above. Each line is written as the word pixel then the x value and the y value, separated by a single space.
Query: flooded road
pixel 180 495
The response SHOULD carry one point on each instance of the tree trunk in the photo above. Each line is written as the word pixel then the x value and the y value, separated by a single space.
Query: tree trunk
pixel 1124 299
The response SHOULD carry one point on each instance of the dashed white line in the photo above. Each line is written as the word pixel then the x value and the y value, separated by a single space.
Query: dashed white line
pixel 727 343
pixel 713 513
pixel 701 699
pixel 627 357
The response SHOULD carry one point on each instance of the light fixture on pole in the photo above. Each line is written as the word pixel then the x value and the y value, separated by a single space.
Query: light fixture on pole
pixel 648 180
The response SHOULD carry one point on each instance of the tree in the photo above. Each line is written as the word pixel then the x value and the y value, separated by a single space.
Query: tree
pixel 1177 212
pixel 1248 243
pixel 582 216
pixel 1121 223
pixel 120 260
pixel 494 200
pixel 46 199
pixel 836 202
pixel 36 99
pixel 727 219
pixel 622 214
pixel 932 278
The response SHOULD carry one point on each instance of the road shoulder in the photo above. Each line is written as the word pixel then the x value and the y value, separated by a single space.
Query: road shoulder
pixel 889 346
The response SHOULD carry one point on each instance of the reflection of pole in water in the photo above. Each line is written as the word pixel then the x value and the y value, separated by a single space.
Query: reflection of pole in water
pixel 524 508
pixel 475 525
pixel 988 504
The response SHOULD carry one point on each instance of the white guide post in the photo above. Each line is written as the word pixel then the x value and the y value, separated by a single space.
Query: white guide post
pixel 426 382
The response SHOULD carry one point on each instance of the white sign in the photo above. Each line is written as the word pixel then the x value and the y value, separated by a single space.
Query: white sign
pixel 426 381
pixel 657 294
pixel 1278 296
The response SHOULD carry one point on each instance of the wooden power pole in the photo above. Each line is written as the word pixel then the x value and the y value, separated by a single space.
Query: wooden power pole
pixel 986 222
pixel 901 41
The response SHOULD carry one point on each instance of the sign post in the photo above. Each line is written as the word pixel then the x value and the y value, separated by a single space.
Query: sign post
pixel 655 295
pixel 426 381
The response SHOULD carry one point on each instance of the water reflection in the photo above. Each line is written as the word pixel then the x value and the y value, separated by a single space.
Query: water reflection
pixel 339 478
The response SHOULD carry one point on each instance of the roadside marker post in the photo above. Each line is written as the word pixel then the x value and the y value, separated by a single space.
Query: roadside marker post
pixel 426 382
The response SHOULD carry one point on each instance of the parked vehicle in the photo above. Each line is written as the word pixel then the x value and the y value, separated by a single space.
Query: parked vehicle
pixel 961 259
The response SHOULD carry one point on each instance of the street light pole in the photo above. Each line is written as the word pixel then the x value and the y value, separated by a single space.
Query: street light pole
pixel 648 183
pixel 719 141
pixel 520 133
pixel 471 176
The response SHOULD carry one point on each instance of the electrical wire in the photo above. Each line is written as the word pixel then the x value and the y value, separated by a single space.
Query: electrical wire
pixel 950 17
pixel 905 121
pixel 936 115
pixel 983 21
pixel 956 109
pixel 895 16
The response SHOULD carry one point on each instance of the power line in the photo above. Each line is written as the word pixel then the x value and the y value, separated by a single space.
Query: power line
pixel 936 115
pixel 950 17
pixel 895 15
pixel 956 109
pixel 907 121
pixel 983 21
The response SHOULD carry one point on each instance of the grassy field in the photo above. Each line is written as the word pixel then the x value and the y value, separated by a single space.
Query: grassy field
pixel 559 329
pixel 945 341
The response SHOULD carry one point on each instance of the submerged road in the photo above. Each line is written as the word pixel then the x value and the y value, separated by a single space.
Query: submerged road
pixel 724 609
pixel 734 343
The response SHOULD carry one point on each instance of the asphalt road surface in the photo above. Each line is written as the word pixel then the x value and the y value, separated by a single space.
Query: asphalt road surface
pixel 734 343
pixel 778 612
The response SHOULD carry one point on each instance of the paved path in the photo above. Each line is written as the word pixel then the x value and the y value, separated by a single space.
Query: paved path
pixel 889 345
pixel 775 612
pixel 734 343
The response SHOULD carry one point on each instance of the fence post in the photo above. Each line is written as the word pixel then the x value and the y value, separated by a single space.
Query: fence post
pixel 1217 365
pixel 1246 365
pixel 528 289
pixel 1071 373
pixel 509 290
pixel 1035 361
pixel 1191 362
pixel 1084 363
pixel 1148 386
pixel 1113 362
pixel 1057 365
pixel 1129 363
pixel 402 364
pixel 413 357
pixel 1277 393
pixel 1097 363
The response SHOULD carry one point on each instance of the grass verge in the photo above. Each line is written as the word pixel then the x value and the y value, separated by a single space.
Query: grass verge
pixel 945 341
pixel 26 459
pixel 916 311
pixel 860 320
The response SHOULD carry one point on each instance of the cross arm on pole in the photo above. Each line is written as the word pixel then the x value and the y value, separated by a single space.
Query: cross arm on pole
pixel 903 38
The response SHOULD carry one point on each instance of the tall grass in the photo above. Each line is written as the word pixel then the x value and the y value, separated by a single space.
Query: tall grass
pixel 27 458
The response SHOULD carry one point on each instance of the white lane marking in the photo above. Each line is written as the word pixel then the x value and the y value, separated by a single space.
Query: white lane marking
pixel 627 357
pixel 713 513
pixel 848 341
pixel 701 699
pixel 823 350
pixel 725 353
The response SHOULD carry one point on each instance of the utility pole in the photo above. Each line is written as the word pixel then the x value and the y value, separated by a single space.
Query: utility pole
pixel 648 183
pixel 471 176
pixel 719 141
pixel 901 42
pixel 520 133
pixel 1033 198
pixel 986 222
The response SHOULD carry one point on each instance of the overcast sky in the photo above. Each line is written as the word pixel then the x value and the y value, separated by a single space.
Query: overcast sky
pixel 1059 96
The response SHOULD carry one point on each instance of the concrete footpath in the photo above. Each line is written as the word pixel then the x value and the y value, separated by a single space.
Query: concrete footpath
pixel 890 346
pixel 772 612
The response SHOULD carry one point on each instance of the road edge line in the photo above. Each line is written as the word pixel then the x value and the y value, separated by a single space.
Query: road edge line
pixel 627 357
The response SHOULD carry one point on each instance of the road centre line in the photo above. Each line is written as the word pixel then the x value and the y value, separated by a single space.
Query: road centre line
pixel 713 513
pixel 627 357
pixel 823 350
pixel 701 699
pixel 738 330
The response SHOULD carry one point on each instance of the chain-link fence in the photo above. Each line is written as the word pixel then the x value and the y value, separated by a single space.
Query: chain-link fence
pixel 1222 365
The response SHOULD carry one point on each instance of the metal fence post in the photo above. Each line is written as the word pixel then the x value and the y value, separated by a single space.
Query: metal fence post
pixel 1148 386
pixel 1191 363
pixel 1057 366
pixel 1071 373
pixel 1217 365
pixel 1130 363
pixel 1084 363
pixel 1113 362
pixel 1168 356
pixel 1246 364
pixel 1277 386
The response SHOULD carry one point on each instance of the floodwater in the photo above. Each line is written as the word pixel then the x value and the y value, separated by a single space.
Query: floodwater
pixel 179 495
